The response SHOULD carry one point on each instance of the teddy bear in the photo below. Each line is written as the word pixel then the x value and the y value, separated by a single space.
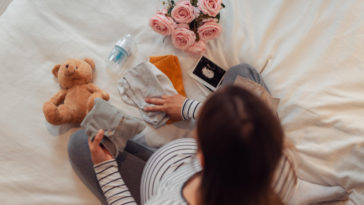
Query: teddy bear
pixel 77 94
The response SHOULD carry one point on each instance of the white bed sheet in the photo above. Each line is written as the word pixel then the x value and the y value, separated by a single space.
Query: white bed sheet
pixel 316 68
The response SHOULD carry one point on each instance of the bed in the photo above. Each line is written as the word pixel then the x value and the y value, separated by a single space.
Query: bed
pixel 310 53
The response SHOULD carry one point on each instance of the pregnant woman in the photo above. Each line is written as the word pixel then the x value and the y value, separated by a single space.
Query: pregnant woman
pixel 236 157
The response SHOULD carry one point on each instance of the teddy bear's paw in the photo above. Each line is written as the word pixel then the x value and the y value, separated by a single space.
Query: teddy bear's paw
pixel 105 96
pixel 49 108
pixel 51 113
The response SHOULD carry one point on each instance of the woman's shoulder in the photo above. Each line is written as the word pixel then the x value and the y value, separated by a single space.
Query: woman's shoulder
pixel 179 144
pixel 158 201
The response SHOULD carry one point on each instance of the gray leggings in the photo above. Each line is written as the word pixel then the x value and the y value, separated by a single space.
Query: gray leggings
pixel 132 160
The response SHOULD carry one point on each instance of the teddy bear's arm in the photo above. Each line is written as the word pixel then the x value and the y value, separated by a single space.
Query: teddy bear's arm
pixel 95 93
pixel 93 89
pixel 59 97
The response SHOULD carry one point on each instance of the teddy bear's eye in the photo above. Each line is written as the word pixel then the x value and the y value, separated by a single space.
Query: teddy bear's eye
pixel 67 66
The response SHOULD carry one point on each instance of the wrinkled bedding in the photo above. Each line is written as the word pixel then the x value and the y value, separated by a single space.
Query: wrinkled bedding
pixel 311 54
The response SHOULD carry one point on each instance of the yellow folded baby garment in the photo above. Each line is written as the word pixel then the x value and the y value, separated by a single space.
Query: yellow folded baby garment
pixel 170 66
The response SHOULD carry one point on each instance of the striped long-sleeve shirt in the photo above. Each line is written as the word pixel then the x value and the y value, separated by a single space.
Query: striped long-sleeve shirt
pixel 190 109
pixel 111 183
pixel 166 172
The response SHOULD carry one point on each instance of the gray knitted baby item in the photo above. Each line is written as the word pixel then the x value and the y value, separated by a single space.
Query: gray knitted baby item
pixel 146 80
pixel 118 127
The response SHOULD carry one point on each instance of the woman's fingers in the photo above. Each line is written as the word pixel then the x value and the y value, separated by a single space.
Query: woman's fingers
pixel 158 102
pixel 171 105
pixel 98 154
pixel 155 101
pixel 98 138
pixel 157 108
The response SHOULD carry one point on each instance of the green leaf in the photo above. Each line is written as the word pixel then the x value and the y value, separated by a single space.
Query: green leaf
pixel 204 16
pixel 194 2
pixel 218 17
pixel 223 5
pixel 193 25
pixel 170 10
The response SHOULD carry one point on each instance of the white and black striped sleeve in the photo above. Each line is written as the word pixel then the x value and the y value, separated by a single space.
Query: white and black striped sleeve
pixel 115 190
pixel 190 109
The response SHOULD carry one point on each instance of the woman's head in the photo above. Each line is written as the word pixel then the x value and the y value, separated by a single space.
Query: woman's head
pixel 241 143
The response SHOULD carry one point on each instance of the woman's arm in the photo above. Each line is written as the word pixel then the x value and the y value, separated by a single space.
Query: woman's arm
pixel 111 183
pixel 177 107
pixel 108 175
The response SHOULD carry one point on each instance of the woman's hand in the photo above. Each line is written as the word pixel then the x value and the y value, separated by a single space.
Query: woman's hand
pixel 171 105
pixel 98 154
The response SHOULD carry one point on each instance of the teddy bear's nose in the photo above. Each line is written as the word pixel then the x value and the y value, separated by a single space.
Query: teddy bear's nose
pixel 70 69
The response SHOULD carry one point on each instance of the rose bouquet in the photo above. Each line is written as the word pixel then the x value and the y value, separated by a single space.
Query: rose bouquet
pixel 190 23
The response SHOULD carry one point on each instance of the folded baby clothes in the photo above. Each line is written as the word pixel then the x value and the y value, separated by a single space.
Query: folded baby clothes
pixel 118 127
pixel 145 80
pixel 170 66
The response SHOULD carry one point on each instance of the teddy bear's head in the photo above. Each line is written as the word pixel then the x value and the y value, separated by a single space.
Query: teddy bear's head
pixel 74 72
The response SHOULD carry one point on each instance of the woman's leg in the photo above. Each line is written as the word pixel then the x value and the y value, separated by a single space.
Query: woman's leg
pixel 130 167
pixel 79 155
pixel 308 193
pixel 245 71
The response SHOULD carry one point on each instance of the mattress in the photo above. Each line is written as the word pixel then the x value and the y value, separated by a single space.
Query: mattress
pixel 310 53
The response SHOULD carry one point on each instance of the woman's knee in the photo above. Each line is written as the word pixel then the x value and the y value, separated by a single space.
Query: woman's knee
pixel 243 67
pixel 246 71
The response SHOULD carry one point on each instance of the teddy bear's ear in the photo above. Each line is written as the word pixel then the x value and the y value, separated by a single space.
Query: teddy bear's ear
pixel 55 70
pixel 90 62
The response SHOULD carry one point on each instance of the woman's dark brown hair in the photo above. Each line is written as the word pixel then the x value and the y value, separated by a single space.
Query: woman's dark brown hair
pixel 241 141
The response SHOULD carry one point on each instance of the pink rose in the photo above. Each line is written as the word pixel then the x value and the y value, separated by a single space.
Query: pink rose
pixel 210 7
pixel 162 24
pixel 183 12
pixel 209 30
pixel 197 48
pixel 183 38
